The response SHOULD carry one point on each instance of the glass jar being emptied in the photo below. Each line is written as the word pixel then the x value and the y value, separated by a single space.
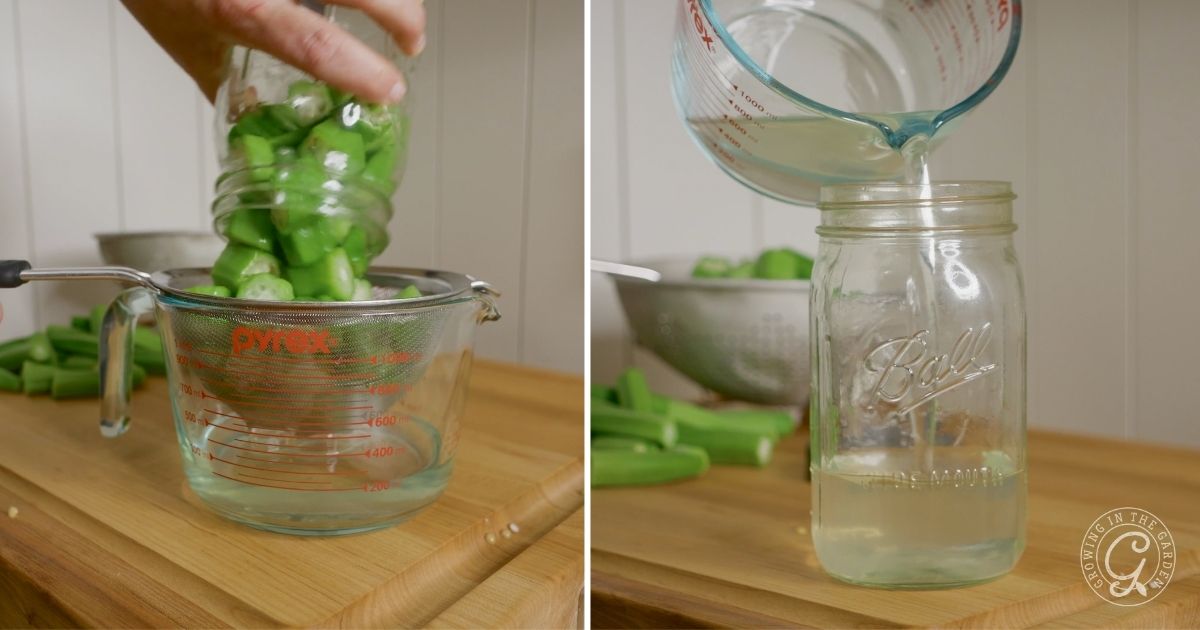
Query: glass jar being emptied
pixel 307 170
pixel 918 405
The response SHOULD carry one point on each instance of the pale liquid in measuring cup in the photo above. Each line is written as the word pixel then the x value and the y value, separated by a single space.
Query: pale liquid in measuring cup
pixel 963 526
pixel 794 156
pixel 404 482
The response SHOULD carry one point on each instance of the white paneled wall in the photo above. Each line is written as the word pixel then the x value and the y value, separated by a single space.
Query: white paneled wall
pixel 1095 126
pixel 100 131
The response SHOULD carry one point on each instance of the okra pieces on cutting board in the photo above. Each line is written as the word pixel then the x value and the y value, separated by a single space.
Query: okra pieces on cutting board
pixel 62 360
pixel 639 437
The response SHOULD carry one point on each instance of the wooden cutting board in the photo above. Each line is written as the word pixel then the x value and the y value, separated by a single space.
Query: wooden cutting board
pixel 733 549
pixel 106 533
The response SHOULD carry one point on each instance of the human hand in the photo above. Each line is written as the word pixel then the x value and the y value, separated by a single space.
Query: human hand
pixel 198 34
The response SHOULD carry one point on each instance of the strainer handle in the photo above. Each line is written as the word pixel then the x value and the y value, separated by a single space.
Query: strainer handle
pixel 486 294
pixel 116 351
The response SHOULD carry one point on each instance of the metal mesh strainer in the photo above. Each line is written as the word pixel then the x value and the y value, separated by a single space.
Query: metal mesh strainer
pixel 744 339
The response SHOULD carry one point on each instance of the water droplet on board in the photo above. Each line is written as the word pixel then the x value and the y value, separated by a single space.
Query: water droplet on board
pixel 512 527
pixel 505 533
pixel 490 538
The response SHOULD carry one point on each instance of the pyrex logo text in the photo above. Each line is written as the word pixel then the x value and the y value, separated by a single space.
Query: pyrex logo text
pixel 295 341
pixel 698 21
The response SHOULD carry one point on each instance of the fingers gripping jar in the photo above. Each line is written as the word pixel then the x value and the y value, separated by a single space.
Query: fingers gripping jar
pixel 918 418
pixel 307 171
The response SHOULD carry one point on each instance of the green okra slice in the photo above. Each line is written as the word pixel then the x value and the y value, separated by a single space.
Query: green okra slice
pixel 618 443
pixel 803 264
pixel 331 275
pixel 604 393
pixel 81 323
pixel 782 421
pixel 251 227
pixel 238 263
pixel 266 287
pixel 610 420
pixel 67 340
pixel 14 353
pixel 370 122
pixel 74 383
pixel 78 362
pixel 743 270
pixel 40 349
pixel 381 168
pixel 362 291
pixel 311 101
pixel 727 445
pixel 10 381
pixel 355 245
pixel 306 244
pixel 210 289
pixel 758 423
pixel 258 154
pixel 96 318
pixel 148 350
pixel 711 267
pixel 36 377
pixel 775 264
pixel 622 468
pixel 299 193
pixel 633 392
pixel 336 149
pixel 408 292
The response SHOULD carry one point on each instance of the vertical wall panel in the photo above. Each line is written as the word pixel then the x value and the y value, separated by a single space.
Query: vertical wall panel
pixel 156 117
pixel 72 146
pixel 414 227
pixel 679 202
pixel 18 313
pixel 1080 92
pixel 1166 219
pixel 609 336
pixel 553 262
pixel 483 141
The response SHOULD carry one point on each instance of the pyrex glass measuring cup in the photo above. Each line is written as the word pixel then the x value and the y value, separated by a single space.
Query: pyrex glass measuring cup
pixel 301 417
pixel 787 95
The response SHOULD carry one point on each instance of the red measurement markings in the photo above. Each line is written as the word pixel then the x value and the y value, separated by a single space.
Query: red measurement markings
pixel 318 449
pixel 290 406
pixel 286 390
pixel 313 436
pixel 382 389
pixel 393 357
pixel 212 457
pixel 284 377
pixel 254 450
pixel 291 422
pixel 240 479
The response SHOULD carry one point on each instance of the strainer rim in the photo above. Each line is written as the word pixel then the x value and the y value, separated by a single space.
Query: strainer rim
pixel 461 285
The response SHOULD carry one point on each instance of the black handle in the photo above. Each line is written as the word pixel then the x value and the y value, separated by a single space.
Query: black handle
pixel 10 273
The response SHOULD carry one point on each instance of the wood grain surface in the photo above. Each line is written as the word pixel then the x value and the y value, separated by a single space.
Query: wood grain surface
pixel 107 534
pixel 733 549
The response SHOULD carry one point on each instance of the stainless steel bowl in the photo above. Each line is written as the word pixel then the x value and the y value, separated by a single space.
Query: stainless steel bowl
pixel 156 251
pixel 744 339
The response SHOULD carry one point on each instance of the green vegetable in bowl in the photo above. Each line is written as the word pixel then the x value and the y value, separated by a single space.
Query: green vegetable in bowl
pixel 772 264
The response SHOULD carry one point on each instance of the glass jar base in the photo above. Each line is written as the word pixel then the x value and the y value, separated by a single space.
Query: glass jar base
pixel 924 570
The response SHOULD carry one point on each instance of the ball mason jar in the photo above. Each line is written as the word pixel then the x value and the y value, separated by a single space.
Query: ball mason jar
pixel 918 403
